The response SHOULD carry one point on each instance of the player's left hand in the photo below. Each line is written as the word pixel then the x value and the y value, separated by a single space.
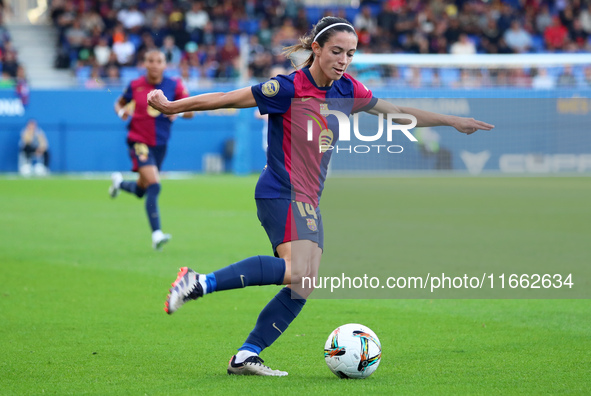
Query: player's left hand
pixel 157 100
pixel 470 125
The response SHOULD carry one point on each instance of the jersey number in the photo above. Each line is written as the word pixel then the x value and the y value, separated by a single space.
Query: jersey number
pixel 306 209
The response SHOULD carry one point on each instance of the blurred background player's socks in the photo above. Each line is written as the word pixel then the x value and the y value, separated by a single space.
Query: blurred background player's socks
pixel 273 321
pixel 256 270
pixel 133 188
pixel 152 193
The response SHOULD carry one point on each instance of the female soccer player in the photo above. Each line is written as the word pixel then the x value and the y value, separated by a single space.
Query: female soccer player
pixel 149 131
pixel 289 188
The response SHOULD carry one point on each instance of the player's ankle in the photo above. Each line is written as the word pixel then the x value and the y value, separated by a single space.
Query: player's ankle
pixel 242 355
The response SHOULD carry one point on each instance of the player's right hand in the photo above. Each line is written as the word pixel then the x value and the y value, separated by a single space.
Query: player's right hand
pixel 123 114
pixel 157 100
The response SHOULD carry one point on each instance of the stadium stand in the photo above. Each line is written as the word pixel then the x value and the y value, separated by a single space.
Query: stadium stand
pixel 12 72
pixel 103 35
pixel 9 63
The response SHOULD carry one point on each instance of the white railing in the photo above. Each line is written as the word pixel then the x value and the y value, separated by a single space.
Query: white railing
pixel 473 61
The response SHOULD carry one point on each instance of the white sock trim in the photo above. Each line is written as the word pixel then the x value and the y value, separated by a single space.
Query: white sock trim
pixel 158 234
pixel 201 281
pixel 241 356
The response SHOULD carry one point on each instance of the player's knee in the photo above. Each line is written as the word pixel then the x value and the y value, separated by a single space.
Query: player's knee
pixel 147 179
pixel 305 285
pixel 153 189
pixel 298 267
pixel 299 273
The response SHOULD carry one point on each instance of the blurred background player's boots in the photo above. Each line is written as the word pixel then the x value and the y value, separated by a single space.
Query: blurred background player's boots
pixel 159 239
pixel 116 179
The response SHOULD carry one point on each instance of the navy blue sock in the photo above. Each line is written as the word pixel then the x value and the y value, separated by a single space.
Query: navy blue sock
pixel 152 193
pixel 274 320
pixel 256 270
pixel 132 188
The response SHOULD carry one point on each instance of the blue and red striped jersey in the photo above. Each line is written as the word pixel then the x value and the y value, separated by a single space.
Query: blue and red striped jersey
pixel 296 166
pixel 147 124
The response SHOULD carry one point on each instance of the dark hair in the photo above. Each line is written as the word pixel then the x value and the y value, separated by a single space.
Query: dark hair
pixel 307 40
pixel 156 50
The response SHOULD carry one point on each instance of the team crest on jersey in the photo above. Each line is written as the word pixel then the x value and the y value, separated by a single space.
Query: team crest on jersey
pixel 152 112
pixel 312 224
pixel 270 88
pixel 325 140
pixel 142 151
pixel 131 107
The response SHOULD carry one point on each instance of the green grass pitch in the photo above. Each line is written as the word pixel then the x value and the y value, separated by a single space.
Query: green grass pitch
pixel 82 294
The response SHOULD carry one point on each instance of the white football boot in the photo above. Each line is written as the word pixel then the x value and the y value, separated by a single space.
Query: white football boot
pixel 116 179
pixel 185 288
pixel 159 239
pixel 253 366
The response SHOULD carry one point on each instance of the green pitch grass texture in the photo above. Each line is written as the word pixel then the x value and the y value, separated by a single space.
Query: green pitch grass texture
pixel 82 294
pixel 493 228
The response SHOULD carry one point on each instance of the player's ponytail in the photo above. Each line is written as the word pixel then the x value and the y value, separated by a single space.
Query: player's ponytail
pixel 301 54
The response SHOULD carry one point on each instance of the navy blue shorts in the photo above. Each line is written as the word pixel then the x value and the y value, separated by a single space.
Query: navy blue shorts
pixel 141 155
pixel 286 221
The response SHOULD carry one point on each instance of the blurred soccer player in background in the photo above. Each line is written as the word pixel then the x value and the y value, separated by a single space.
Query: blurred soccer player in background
pixel 147 138
pixel 289 188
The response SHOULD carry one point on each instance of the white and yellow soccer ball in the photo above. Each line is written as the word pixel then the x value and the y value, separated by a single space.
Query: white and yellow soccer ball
pixel 352 351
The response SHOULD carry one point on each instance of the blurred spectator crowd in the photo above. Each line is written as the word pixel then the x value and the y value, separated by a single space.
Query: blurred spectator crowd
pixel 104 40
pixel 12 72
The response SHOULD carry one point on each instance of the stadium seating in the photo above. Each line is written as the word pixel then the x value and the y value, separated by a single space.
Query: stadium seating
pixel 252 26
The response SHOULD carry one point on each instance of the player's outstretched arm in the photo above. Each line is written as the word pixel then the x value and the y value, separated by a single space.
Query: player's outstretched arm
pixel 237 99
pixel 121 109
pixel 429 119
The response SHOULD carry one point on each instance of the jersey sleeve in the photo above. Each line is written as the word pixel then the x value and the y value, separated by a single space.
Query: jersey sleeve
pixel 128 94
pixel 180 91
pixel 364 99
pixel 275 95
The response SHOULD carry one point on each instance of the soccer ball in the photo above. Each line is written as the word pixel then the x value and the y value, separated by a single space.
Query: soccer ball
pixel 352 351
